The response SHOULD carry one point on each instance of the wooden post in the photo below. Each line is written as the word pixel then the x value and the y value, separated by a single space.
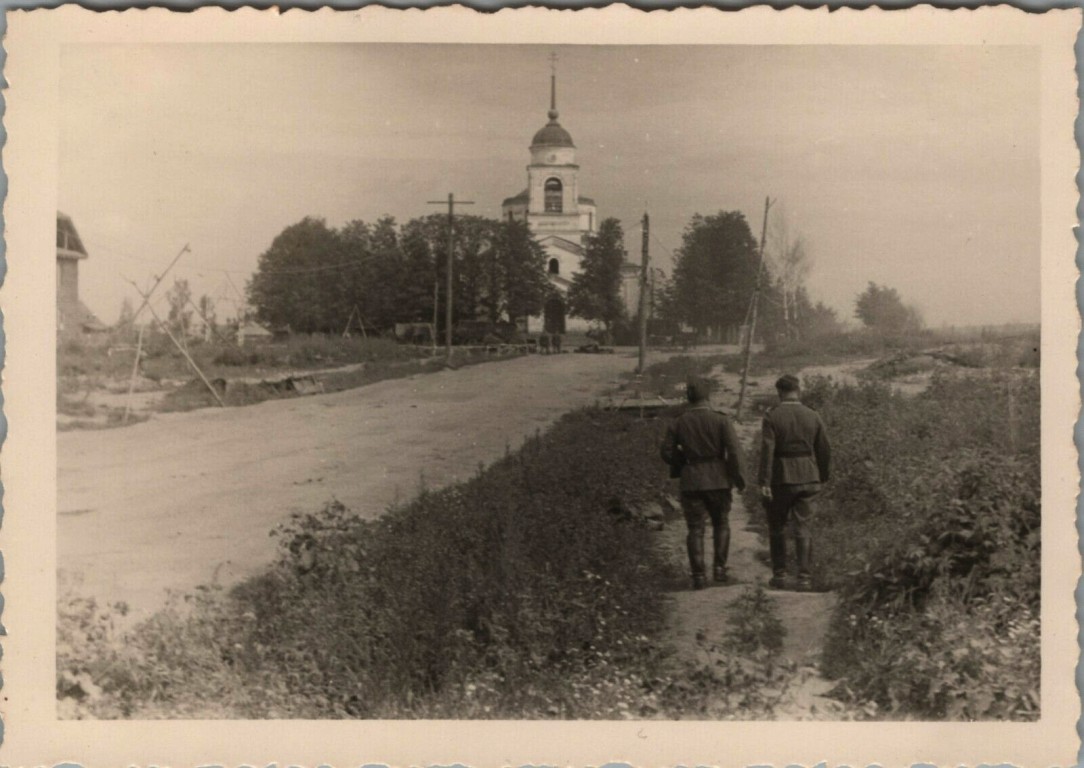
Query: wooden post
pixel 644 260
pixel 753 312
pixel 451 256
pixel 179 346
pixel 147 296
pixel 135 370
pixel 361 321
pixel 187 357
pixel 448 295
pixel 436 305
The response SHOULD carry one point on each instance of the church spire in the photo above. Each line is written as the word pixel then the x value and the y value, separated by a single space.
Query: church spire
pixel 553 87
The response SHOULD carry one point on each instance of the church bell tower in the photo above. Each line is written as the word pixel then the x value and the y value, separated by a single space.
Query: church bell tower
pixel 552 205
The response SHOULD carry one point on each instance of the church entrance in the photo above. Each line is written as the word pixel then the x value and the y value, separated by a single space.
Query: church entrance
pixel 553 317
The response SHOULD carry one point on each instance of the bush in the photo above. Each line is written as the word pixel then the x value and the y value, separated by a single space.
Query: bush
pixel 237 356
pixel 317 349
pixel 931 523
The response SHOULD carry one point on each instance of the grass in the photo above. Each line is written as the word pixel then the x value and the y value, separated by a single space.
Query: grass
pixel 929 529
pixel 83 367
pixel 163 361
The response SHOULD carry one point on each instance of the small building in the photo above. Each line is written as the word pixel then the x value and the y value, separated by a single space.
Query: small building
pixel 72 316
pixel 252 334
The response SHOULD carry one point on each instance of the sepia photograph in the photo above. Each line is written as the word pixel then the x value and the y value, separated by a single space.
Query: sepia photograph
pixel 558 380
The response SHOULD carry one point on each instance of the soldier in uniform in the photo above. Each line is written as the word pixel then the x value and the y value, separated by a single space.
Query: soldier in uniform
pixel 795 458
pixel 702 449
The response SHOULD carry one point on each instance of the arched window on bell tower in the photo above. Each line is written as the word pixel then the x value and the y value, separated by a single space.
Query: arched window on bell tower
pixel 554 192
pixel 555 267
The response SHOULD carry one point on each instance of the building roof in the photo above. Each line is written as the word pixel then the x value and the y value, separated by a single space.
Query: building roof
pixel 253 329
pixel 552 135
pixel 562 243
pixel 522 197
pixel 68 243
pixel 78 317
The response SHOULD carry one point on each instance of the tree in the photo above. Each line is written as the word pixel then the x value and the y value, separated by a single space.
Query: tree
pixel 179 297
pixel 880 308
pixel 715 271
pixel 520 278
pixel 596 289
pixel 299 279
pixel 313 277
pixel 206 307
pixel 788 253
pixel 820 321
pixel 127 314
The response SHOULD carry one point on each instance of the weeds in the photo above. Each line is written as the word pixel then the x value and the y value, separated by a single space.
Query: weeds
pixel 930 530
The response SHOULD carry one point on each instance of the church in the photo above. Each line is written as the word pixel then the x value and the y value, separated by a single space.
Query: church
pixel 561 218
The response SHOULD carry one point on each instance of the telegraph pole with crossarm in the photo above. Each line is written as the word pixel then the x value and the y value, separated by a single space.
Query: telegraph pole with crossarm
pixel 451 255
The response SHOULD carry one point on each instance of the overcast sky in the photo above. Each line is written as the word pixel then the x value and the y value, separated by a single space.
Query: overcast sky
pixel 915 167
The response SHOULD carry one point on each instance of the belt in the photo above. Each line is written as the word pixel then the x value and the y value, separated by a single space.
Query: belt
pixel 792 454
pixel 702 459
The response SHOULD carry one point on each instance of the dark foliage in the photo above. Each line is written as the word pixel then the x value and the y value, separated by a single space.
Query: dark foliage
pixel 715 271
pixel 596 289
pixel 317 279
pixel 930 529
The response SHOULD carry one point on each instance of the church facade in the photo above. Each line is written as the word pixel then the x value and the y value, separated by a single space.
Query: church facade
pixel 560 219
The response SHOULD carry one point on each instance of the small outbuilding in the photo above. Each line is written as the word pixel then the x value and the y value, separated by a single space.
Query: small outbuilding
pixel 251 334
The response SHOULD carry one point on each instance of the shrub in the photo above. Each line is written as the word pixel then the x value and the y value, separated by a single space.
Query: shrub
pixel 237 356
pixel 931 523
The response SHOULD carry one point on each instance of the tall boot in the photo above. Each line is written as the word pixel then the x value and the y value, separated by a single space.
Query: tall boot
pixel 720 539
pixel 805 564
pixel 777 544
pixel 695 543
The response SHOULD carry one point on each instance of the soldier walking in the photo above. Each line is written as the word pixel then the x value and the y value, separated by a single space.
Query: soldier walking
pixel 702 449
pixel 795 458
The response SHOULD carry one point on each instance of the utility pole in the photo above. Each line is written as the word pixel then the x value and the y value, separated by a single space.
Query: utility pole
pixel 158 281
pixel 451 255
pixel 644 260
pixel 753 311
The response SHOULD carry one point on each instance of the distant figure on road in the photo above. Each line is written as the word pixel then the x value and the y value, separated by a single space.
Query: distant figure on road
pixel 702 449
pixel 544 343
pixel 795 459
pixel 556 341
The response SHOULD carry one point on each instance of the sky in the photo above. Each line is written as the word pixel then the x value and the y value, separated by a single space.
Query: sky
pixel 915 167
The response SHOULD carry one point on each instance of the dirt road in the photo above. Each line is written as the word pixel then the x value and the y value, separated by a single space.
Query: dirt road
pixel 699 619
pixel 190 497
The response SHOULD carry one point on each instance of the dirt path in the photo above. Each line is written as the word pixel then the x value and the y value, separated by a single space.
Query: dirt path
pixel 699 618
pixel 176 501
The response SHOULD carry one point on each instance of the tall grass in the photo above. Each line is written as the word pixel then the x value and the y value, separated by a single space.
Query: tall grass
pixel 930 530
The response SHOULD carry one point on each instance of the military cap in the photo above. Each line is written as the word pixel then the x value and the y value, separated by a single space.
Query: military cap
pixel 697 389
pixel 788 383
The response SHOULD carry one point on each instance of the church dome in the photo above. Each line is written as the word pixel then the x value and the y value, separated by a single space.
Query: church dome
pixel 552 135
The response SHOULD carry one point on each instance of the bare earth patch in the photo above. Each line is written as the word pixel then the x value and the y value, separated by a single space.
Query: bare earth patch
pixel 190 497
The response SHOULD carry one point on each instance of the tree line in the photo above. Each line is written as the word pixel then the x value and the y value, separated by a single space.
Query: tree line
pixel 316 278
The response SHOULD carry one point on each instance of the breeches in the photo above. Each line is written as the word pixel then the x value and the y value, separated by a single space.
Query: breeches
pixel 698 506
pixel 791 502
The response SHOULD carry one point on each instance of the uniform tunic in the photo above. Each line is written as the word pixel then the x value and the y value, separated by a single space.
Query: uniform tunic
pixel 794 446
pixel 709 445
